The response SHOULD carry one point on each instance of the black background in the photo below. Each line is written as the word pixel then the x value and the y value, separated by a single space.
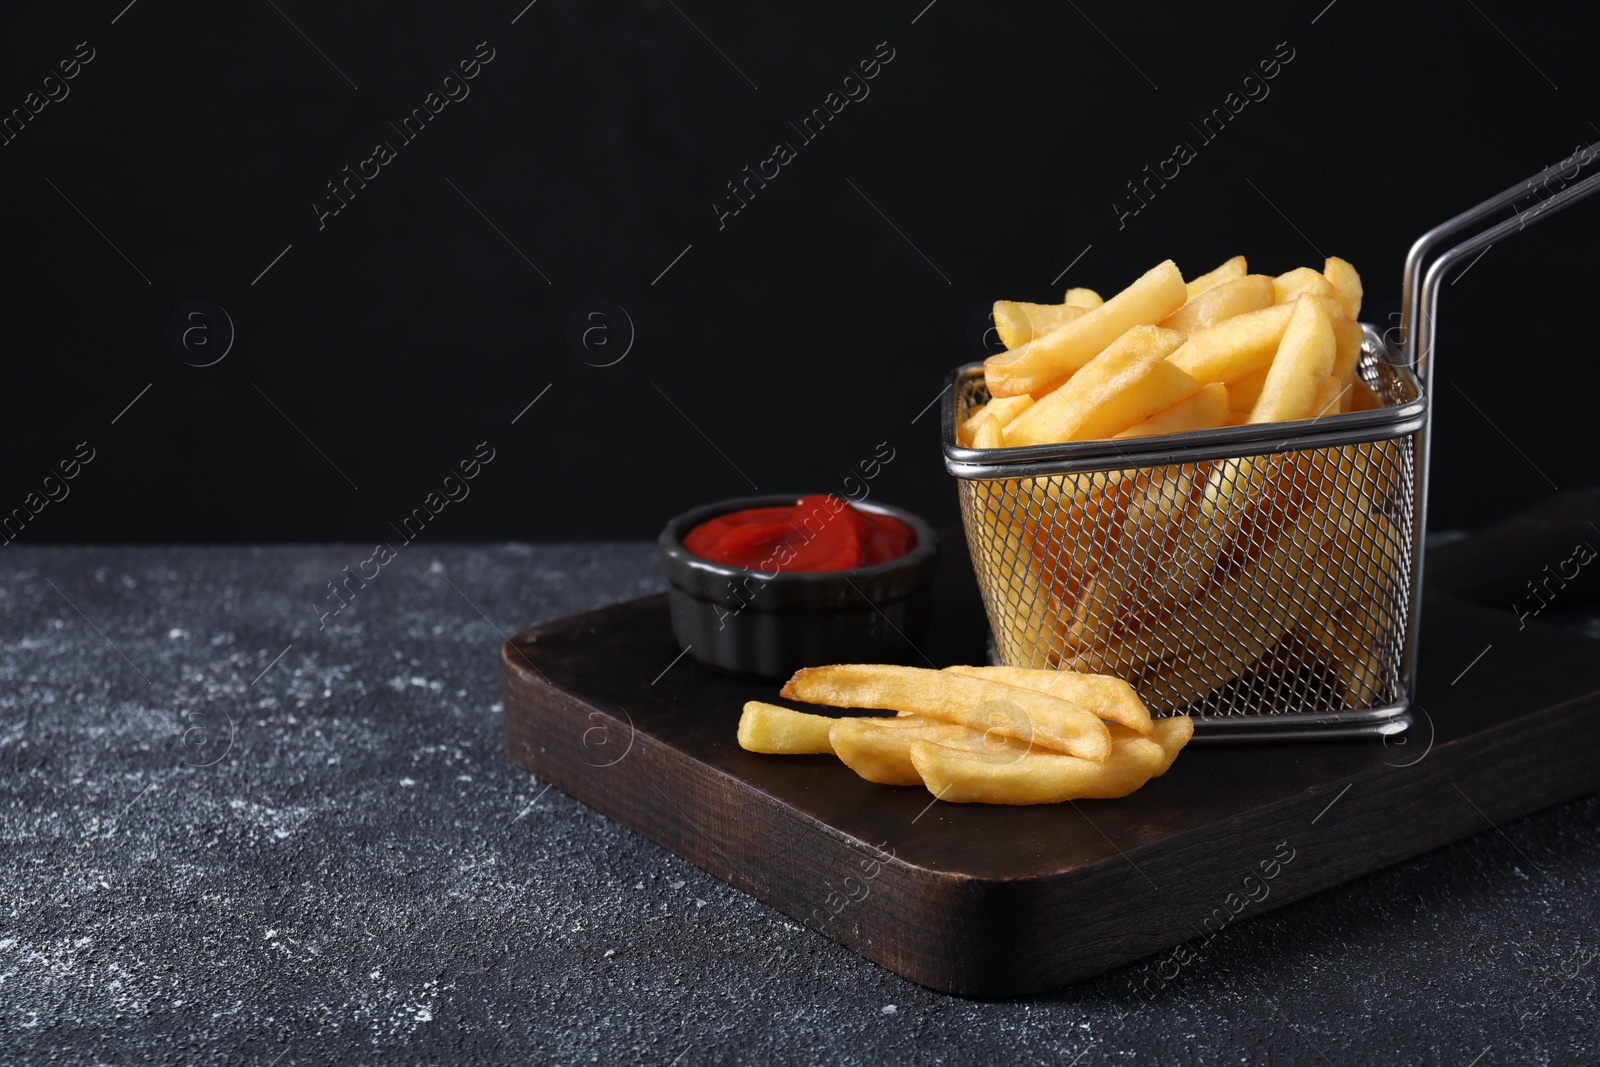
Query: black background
pixel 779 349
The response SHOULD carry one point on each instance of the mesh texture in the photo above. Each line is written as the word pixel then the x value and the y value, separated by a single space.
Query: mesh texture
pixel 1258 585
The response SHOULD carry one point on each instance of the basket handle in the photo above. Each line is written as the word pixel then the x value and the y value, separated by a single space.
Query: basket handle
pixel 1419 298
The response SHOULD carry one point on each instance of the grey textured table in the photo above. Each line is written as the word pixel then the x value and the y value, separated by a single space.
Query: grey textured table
pixel 230 836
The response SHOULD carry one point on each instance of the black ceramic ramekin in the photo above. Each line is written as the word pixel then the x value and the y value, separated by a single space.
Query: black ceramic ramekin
pixel 756 624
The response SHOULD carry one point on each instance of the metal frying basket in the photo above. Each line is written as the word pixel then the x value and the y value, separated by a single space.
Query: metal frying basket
pixel 1264 579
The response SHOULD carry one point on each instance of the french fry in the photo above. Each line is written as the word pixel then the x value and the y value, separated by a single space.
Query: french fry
pixel 1305 357
pixel 1236 510
pixel 1250 293
pixel 784 731
pixel 1005 544
pixel 1347 338
pixel 1227 272
pixel 1107 696
pixel 1172 733
pixel 1088 609
pixel 966 428
pixel 1045 362
pixel 1194 535
pixel 1250 596
pixel 1002 411
pixel 1345 620
pixel 1235 348
pixel 1090 521
pixel 1280 488
pixel 1047 721
pixel 1243 394
pixel 1023 525
pixel 1082 298
pixel 1159 528
pixel 1124 384
pixel 1300 280
pixel 1165 386
pixel 1007 408
pixel 1346 285
pixel 1203 411
pixel 879 749
pixel 1363 398
pixel 1018 322
pixel 960 776
pixel 1328 397
pixel 1349 642
pixel 989 433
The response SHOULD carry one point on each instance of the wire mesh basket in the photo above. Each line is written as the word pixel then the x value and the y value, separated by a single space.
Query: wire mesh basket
pixel 1263 579
pixel 1227 574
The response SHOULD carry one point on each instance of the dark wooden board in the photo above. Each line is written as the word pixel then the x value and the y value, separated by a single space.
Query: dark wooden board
pixel 994 901
pixel 1527 560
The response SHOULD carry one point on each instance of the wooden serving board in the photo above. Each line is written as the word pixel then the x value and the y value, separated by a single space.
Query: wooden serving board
pixel 995 901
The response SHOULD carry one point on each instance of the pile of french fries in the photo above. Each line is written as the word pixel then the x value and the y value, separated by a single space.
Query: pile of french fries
pixel 1167 356
pixel 1184 578
pixel 991 735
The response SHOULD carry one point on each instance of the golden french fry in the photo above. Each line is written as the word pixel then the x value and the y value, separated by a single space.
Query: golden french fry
pixel 770 728
pixel 1018 322
pixel 1230 486
pixel 1075 537
pixel 1346 285
pixel 1124 384
pixel 1300 280
pixel 1243 394
pixel 961 776
pixel 1197 536
pixel 1235 348
pixel 1002 411
pixel 1004 543
pixel 1273 491
pixel 1119 409
pixel 1045 362
pixel 1349 642
pixel 989 433
pixel 1007 408
pixel 1328 397
pixel 1346 622
pixel 1087 609
pixel 1204 410
pixel 1000 542
pixel 1227 272
pixel 1172 733
pixel 1022 526
pixel 1363 398
pixel 1250 293
pixel 1107 696
pixel 1305 357
pixel 1347 338
pixel 966 428
pixel 1178 527
pixel 1163 387
pixel 1047 721
pixel 879 749
pixel 1251 596
pixel 1082 298
pixel 1160 530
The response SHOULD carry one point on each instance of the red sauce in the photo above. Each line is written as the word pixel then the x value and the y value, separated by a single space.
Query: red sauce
pixel 816 533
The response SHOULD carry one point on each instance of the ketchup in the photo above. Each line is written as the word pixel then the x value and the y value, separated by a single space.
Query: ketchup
pixel 816 533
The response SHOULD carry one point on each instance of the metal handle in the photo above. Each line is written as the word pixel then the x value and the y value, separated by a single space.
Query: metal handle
pixel 1420 293
pixel 1420 314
